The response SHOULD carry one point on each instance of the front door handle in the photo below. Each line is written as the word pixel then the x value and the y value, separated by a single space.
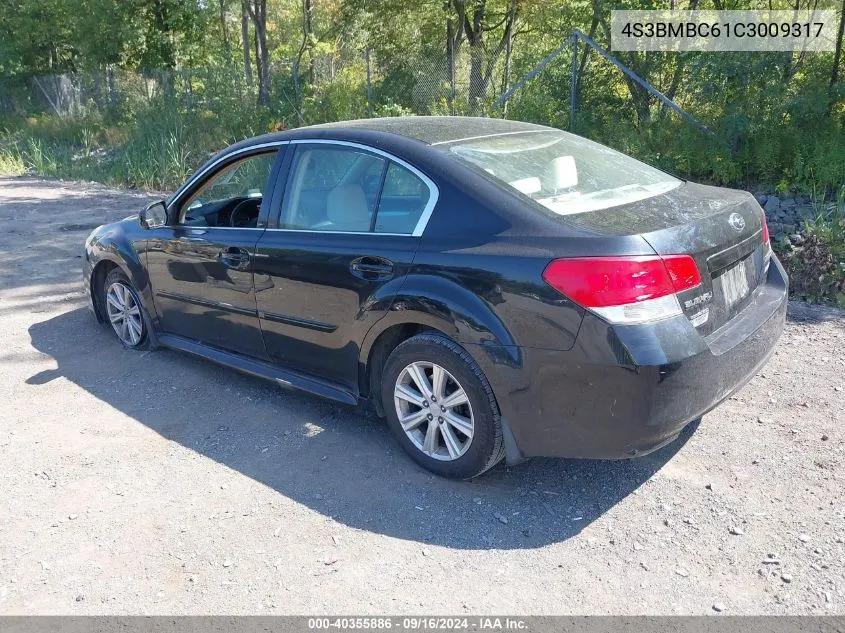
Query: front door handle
pixel 372 268
pixel 234 257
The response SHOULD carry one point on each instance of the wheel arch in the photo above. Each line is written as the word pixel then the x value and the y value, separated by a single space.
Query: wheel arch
pixel 98 276
pixel 115 246
pixel 430 303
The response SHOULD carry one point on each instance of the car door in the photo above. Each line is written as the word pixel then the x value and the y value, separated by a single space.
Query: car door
pixel 201 264
pixel 338 252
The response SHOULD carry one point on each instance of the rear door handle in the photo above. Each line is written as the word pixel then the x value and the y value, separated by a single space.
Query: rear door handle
pixel 372 268
pixel 234 257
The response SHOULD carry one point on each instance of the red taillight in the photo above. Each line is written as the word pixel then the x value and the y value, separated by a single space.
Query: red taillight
pixel 597 282
pixel 765 230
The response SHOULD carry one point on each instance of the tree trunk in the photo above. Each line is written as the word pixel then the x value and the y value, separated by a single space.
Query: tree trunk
pixel 505 44
pixel 506 74
pixel 258 13
pixel 475 37
pixel 308 32
pixel 245 41
pixel 640 98
pixel 837 56
pixel 454 35
pixel 225 29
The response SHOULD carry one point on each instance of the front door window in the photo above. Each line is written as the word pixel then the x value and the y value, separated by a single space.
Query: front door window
pixel 232 196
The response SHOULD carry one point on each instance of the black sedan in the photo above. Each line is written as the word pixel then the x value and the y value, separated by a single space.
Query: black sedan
pixel 493 288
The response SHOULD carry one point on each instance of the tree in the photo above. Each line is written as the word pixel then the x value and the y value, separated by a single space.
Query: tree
pixel 245 42
pixel 837 56
pixel 258 14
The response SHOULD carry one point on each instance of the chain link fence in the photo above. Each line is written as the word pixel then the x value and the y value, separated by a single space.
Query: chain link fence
pixel 319 87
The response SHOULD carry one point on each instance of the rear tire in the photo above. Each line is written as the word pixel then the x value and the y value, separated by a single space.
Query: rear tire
pixel 450 422
pixel 123 310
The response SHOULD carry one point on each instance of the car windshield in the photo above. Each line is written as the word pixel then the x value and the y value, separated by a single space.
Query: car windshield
pixel 565 173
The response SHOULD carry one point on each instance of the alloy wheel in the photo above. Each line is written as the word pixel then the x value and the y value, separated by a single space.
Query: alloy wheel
pixel 124 314
pixel 434 410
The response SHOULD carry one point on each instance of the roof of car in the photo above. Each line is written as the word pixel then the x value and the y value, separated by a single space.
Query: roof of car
pixel 432 129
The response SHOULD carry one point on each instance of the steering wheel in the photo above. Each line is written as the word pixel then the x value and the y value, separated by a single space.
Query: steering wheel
pixel 240 215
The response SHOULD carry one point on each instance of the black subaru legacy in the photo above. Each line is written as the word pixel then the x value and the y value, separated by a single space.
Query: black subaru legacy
pixel 492 288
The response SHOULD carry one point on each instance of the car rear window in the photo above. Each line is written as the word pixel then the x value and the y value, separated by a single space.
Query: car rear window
pixel 565 173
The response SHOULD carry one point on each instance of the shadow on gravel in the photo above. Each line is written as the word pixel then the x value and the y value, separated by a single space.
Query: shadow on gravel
pixel 331 458
pixel 808 313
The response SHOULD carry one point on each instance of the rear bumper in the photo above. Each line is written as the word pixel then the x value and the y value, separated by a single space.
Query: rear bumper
pixel 626 391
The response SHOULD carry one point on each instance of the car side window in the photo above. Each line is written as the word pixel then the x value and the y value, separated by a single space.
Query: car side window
pixel 403 199
pixel 231 196
pixel 331 188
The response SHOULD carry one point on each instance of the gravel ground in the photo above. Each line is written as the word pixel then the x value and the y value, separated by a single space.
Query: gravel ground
pixel 158 483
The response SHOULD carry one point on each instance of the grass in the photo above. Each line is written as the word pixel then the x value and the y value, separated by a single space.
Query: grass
pixel 11 163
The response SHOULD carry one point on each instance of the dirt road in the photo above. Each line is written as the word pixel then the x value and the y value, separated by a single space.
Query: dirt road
pixel 159 483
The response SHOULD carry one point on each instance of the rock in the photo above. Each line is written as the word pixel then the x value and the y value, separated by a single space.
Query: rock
pixel 424 552
pixel 689 521
pixel 772 204
pixel 718 607
pixel 824 438
pixel 330 558
pixel 786 578
pixel 72 517
pixel 80 598
pixel 227 563
pixel 501 517
pixel 736 531
pixel 667 522
pixel 709 486
pixel 192 578
pixel 804 538
pixel 797 239
pixel 761 198
pixel 683 573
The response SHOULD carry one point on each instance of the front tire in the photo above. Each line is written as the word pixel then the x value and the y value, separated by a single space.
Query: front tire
pixel 440 407
pixel 123 310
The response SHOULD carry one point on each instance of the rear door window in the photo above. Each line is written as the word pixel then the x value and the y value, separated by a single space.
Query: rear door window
pixel 344 189
pixel 327 189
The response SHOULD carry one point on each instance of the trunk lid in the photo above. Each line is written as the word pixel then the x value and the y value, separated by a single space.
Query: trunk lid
pixel 722 229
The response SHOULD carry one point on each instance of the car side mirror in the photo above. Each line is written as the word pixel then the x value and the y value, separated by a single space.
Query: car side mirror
pixel 154 215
